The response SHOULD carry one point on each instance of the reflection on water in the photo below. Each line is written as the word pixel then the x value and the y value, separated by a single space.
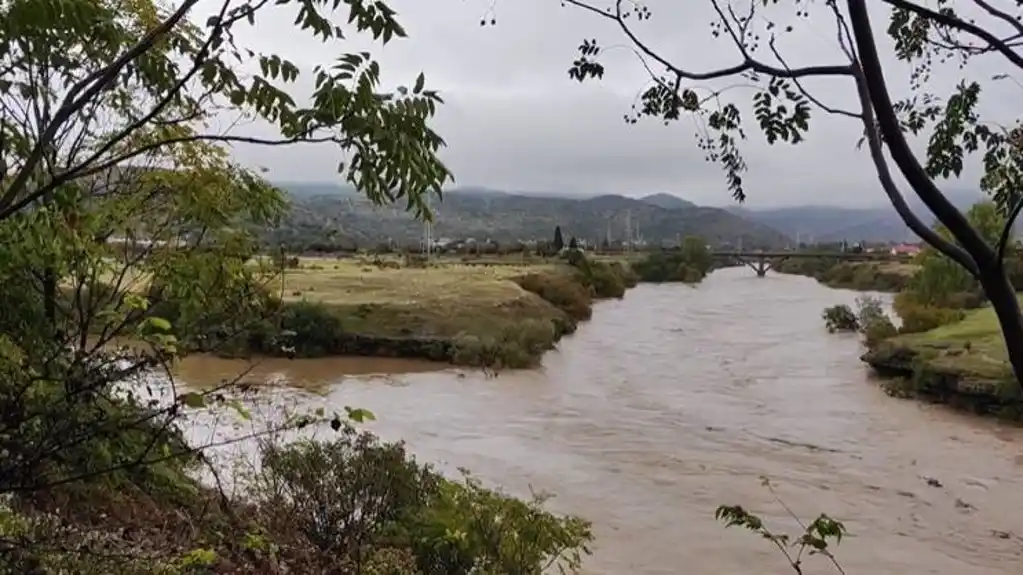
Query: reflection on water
pixel 675 400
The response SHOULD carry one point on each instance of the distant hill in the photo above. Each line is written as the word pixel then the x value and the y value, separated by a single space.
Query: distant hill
pixel 828 223
pixel 668 201
pixel 320 213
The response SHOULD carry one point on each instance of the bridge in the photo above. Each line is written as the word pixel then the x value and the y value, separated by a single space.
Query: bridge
pixel 762 261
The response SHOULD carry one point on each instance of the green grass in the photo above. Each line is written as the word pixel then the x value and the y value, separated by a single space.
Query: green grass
pixel 972 346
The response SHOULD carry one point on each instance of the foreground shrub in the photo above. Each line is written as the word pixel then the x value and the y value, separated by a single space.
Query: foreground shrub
pixel 355 495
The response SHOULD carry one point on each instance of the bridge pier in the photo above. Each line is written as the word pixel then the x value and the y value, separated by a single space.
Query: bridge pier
pixel 761 266
pixel 759 263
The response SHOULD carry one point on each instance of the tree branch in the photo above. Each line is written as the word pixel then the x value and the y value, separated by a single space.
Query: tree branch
pixel 891 130
pixel 1001 15
pixel 950 21
pixel 167 98
pixel 1010 223
pixel 873 136
pixel 92 85
pixel 8 211
pixel 747 65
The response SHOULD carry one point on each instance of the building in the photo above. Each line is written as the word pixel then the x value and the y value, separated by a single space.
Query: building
pixel 905 250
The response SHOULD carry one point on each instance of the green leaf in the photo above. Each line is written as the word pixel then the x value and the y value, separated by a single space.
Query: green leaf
pixel 192 399
pixel 242 412
pixel 158 323
pixel 359 415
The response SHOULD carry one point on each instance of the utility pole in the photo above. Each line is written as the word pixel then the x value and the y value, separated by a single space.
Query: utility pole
pixel 628 231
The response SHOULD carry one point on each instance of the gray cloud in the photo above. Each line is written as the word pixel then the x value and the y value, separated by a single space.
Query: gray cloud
pixel 513 119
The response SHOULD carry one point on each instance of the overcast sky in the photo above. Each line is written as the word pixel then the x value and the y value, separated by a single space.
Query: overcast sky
pixel 515 121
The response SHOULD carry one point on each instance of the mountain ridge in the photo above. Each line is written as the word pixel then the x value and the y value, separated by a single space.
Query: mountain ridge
pixel 324 211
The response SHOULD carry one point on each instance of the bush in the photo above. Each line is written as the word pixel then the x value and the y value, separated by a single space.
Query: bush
pixel 875 325
pixel 877 331
pixel 669 266
pixel 918 317
pixel 840 318
pixel 625 271
pixel 603 280
pixel 355 496
pixel 563 292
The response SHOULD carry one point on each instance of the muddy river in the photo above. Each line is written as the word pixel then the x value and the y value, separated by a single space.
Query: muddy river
pixel 675 400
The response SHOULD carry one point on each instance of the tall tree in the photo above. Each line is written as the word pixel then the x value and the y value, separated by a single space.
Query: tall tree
pixel 559 242
pixel 922 37
pixel 123 214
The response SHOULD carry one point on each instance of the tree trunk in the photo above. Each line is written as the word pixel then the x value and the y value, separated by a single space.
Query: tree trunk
pixel 1003 300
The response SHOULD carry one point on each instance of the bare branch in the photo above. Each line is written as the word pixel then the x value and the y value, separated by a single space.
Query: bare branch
pixel 748 64
pixel 1001 15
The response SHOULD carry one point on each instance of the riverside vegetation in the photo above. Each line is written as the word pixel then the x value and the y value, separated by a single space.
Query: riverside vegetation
pixel 861 276
pixel 947 346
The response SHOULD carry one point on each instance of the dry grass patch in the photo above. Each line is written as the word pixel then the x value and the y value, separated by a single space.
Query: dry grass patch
pixel 439 301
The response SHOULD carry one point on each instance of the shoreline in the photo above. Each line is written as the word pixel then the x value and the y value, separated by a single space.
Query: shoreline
pixel 885 277
pixel 962 364
pixel 469 315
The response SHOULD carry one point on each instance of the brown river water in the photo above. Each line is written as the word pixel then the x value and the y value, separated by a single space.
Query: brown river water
pixel 677 399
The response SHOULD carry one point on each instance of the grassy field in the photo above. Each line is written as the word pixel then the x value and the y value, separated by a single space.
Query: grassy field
pixel 445 300
pixel 973 346
pixel 468 311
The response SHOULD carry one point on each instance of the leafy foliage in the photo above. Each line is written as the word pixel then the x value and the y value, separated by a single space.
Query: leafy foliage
pixel 144 80
pixel 840 318
pixel 123 217
pixel 815 539
pixel 355 495
pixel 690 263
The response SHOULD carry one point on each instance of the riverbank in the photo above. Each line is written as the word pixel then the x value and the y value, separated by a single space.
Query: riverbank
pixel 500 316
pixel 963 364
pixel 859 276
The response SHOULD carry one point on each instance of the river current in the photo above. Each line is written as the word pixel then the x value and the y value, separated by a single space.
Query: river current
pixel 676 399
